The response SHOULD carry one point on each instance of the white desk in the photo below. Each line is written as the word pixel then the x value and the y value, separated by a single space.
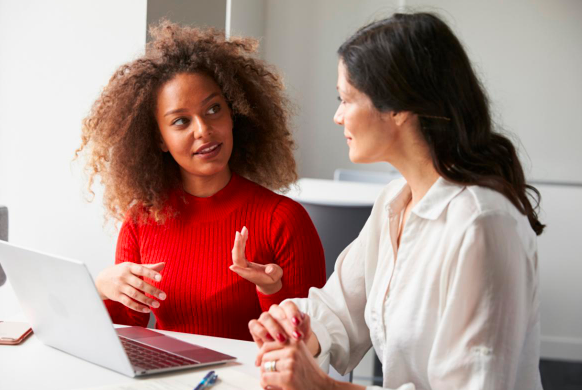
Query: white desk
pixel 335 193
pixel 33 365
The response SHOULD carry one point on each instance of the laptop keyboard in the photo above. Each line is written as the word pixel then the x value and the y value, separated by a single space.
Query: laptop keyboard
pixel 150 358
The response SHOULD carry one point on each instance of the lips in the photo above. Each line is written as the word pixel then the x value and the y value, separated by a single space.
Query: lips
pixel 208 148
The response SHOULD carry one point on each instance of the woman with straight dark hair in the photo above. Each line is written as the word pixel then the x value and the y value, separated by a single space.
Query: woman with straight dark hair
pixel 443 279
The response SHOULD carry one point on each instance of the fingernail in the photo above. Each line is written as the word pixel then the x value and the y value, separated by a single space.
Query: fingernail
pixel 269 337
pixel 295 321
pixel 158 277
pixel 281 338
pixel 269 270
pixel 302 315
pixel 257 363
pixel 297 335
pixel 162 296
pixel 146 310
pixel 156 304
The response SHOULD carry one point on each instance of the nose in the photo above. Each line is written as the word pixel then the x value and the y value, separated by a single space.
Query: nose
pixel 338 118
pixel 201 127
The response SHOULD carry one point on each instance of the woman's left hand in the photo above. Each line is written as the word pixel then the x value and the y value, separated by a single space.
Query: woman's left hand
pixel 293 368
pixel 266 277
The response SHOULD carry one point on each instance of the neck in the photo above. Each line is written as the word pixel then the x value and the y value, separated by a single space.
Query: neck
pixel 205 186
pixel 412 159
pixel 420 178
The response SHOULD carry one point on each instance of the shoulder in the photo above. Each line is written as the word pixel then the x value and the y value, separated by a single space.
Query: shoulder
pixel 266 198
pixel 488 212
pixel 476 203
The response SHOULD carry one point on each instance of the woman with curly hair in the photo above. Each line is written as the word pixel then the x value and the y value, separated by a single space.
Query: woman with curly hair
pixel 185 139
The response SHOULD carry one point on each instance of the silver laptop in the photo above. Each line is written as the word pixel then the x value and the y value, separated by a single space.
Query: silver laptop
pixel 59 298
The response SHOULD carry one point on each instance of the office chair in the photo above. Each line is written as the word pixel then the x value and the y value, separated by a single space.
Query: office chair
pixel 3 236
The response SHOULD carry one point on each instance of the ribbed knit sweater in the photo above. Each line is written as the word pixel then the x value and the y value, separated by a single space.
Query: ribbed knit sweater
pixel 203 295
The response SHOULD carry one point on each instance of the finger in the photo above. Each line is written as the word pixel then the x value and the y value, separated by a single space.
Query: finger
pixel 238 252
pixel 260 336
pixel 257 341
pixel 252 275
pixel 245 235
pixel 273 327
pixel 279 354
pixel 138 296
pixel 267 347
pixel 271 273
pixel 274 271
pixel 127 301
pixel 285 321
pixel 156 267
pixel 141 270
pixel 141 285
pixel 301 324
pixel 259 332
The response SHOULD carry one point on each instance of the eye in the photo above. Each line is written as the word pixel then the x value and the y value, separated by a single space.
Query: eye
pixel 214 109
pixel 180 121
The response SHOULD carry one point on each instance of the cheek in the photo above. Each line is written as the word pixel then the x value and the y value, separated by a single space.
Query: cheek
pixel 178 143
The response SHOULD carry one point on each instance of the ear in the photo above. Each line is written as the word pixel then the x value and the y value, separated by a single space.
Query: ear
pixel 400 117
pixel 163 145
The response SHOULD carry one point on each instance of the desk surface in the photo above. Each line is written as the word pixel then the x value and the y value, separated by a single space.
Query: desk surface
pixel 335 193
pixel 33 365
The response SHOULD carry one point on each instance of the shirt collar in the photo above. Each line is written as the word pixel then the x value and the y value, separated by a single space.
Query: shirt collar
pixel 431 205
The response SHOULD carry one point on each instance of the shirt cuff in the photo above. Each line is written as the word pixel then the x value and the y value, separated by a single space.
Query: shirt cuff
pixel 323 338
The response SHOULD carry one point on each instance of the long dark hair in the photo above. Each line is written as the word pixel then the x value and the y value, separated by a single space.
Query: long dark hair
pixel 414 62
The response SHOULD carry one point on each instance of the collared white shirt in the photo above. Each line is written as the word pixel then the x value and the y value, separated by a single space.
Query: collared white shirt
pixel 455 306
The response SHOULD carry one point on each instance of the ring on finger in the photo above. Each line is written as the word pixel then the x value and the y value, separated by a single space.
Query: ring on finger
pixel 270 366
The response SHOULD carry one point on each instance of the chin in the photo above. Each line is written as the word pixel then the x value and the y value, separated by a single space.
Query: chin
pixel 355 158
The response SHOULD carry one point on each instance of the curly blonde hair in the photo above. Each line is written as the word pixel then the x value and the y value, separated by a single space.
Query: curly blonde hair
pixel 121 137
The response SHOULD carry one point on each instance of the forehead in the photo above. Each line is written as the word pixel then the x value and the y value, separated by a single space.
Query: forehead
pixel 343 84
pixel 186 88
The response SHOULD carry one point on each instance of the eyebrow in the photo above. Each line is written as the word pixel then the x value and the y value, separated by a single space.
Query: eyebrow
pixel 203 102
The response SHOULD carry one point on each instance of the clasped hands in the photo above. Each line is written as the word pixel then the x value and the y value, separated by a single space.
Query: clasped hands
pixel 287 347
pixel 125 282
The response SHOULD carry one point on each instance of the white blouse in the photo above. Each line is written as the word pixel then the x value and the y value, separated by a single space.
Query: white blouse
pixel 456 306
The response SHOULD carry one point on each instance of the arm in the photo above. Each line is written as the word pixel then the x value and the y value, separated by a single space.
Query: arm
pixel 489 306
pixel 113 283
pixel 330 320
pixel 335 313
pixel 297 250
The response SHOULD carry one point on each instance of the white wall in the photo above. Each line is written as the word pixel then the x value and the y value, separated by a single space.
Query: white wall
pixel 55 56
pixel 199 13
pixel 247 18
pixel 560 263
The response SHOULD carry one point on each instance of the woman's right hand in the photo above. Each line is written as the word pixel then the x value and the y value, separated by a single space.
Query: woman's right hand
pixel 281 323
pixel 123 283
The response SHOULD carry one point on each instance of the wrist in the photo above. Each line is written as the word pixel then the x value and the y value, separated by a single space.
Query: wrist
pixel 269 289
pixel 332 384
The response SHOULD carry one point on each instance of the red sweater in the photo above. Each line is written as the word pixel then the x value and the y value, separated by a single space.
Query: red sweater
pixel 203 295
